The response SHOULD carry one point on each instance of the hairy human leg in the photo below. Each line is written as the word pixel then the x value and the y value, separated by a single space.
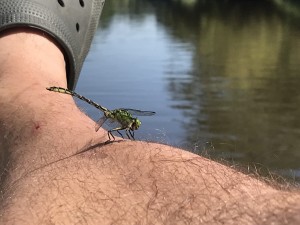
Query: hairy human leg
pixel 144 183
pixel 57 169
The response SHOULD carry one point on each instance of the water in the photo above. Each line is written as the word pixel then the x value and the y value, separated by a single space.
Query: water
pixel 223 77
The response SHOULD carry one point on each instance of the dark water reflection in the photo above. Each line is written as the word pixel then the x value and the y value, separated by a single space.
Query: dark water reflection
pixel 224 77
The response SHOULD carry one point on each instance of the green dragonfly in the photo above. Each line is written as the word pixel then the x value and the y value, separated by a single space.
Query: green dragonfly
pixel 120 119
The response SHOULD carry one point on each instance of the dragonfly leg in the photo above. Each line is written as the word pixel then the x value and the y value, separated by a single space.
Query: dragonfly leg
pixel 120 134
pixel 129 137
pixel 118 130
pixel 131 134
pixel 110 134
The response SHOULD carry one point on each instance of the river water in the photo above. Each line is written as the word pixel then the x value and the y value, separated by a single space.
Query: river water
pixel 222 76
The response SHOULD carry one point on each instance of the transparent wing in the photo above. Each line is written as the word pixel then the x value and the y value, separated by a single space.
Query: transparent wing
pixel 113 123
pixel 100 122
pixel 137 112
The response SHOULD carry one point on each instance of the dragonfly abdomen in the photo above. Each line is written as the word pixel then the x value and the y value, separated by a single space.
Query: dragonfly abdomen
pixel 73 93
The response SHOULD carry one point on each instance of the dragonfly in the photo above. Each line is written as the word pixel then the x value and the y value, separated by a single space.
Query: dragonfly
pixel 120 119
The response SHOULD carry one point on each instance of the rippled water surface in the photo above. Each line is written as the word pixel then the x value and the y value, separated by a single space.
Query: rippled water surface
pixel 224 78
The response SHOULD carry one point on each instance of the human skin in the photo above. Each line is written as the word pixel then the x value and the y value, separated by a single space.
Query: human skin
pixel 57 170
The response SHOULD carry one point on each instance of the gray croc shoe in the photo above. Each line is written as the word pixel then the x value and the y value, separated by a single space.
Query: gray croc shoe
pixel 72 23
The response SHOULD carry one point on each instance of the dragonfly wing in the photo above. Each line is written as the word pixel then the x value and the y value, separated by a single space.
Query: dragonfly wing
pixel 113 123
pixel 100 122
pixel 137 112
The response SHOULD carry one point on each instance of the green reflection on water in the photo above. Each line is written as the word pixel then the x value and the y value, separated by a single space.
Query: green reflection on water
pixel 246 64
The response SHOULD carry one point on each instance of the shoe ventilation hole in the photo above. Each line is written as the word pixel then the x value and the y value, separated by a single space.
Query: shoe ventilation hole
pixel 61 2
pixel 81 3
pixel 77 27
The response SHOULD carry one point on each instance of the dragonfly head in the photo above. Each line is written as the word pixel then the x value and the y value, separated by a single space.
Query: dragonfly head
pixel 136 124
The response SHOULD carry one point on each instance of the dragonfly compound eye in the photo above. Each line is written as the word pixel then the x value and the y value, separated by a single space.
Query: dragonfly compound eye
pixel 136 124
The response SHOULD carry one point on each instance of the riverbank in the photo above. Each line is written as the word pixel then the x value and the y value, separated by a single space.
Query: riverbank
pixel 290 7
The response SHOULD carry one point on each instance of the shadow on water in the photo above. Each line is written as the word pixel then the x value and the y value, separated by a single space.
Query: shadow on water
pixel 240 98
